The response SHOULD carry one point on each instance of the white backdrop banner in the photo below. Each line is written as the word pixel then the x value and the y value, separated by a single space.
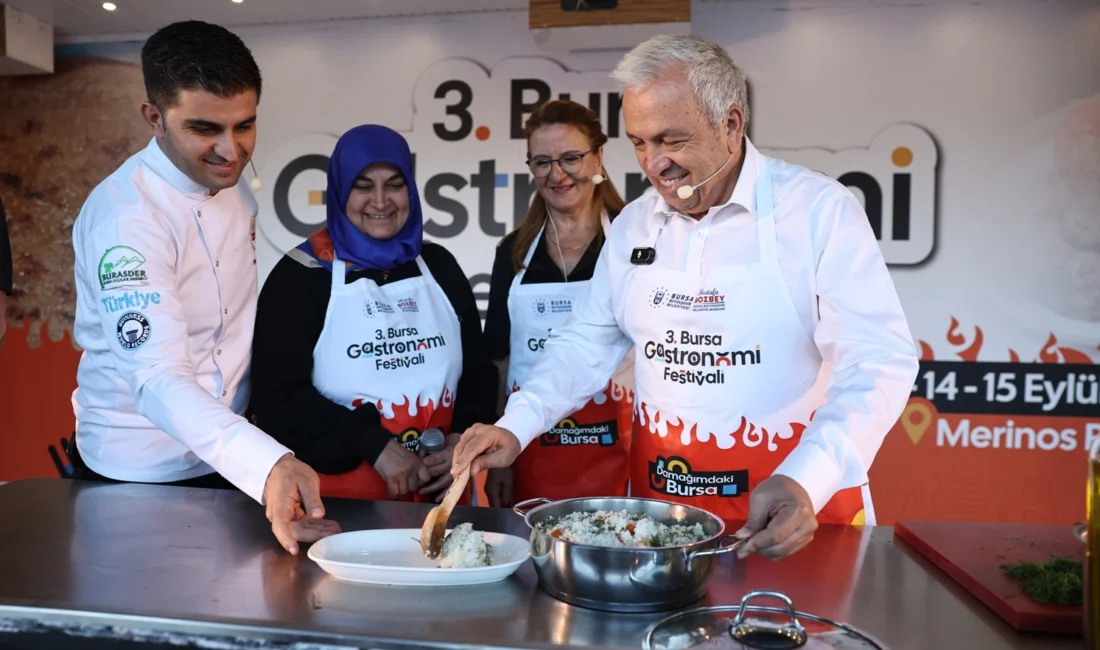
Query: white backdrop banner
pixel 469 148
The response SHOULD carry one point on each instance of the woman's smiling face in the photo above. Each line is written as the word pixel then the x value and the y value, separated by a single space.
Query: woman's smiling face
pixel 378 204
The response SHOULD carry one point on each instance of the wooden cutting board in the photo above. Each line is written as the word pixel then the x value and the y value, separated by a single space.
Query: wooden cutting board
pixel 972 554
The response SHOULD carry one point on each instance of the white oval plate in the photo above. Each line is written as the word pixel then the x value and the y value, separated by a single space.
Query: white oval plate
pixel 392 556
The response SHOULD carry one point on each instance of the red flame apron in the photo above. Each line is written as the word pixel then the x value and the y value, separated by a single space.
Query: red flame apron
pixel 587 453
pixel 726 379
pixel 398 346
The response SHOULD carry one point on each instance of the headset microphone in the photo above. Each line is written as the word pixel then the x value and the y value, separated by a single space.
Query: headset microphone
pixel 256 184
pixel 685 191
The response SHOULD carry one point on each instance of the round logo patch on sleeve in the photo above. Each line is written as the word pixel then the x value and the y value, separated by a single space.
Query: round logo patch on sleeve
pixel 133 330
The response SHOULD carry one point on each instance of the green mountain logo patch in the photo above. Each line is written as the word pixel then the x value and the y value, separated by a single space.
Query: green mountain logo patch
pixel 120 267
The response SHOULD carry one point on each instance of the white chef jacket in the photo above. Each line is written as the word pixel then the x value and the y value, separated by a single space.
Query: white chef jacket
pixel 835 272
pixel 166 301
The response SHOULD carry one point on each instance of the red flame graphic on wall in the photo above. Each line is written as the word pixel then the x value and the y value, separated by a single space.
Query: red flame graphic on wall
pixel 409 418
pixel 968 347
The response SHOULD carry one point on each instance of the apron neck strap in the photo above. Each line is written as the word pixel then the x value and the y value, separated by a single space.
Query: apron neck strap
pixel 657 231
pixel 339 272
pixel 765 215
pixel 531 249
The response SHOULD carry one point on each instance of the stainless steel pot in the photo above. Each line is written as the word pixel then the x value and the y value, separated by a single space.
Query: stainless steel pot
pixel 629 580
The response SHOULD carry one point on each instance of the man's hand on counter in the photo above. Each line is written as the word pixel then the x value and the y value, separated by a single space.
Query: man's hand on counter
pixel 484 446
pixel 781 519
pixel 292 495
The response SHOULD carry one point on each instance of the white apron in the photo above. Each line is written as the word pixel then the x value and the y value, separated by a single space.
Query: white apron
pixel 398 346
pixel 726 379
pixel 587 453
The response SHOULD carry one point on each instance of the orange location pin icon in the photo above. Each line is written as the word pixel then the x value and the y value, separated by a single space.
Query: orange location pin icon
pixel 916 419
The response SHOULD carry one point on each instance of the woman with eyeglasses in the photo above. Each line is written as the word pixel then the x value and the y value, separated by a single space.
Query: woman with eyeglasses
pixel 540 270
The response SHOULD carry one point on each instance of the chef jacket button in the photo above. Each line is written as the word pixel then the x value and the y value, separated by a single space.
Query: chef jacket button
pixel 217 263
pixel 223 393
pixel 226 311
pixel 702 233
pixel 219 350
pixel 198 212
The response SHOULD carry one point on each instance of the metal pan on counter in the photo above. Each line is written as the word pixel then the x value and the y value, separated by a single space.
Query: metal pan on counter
pixel 631 579
pixel 753 627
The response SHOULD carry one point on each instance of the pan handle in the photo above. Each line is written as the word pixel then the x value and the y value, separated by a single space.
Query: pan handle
pixel 727 544
pixel 523 507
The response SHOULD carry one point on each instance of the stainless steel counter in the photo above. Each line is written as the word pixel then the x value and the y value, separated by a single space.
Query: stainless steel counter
pixel 204 562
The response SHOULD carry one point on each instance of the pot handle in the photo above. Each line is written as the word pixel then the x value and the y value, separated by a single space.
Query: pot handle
pixel 523 507
pixel 1081 531
pixel 723 547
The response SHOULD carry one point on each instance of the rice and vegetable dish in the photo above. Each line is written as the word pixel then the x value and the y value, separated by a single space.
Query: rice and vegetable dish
pixel 620 529
pixel 465 548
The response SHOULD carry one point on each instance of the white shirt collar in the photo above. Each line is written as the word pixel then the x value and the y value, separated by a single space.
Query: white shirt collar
pixel 744 193
pixel 154 157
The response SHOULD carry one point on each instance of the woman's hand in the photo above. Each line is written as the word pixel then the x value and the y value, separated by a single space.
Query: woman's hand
pixel 500 487
pixel 439 466
pixel 402 470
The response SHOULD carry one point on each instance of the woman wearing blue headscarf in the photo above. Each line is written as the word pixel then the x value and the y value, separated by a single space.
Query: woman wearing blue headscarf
pixel 366 336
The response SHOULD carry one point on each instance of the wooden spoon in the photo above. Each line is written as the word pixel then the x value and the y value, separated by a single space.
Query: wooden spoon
pixel 435 525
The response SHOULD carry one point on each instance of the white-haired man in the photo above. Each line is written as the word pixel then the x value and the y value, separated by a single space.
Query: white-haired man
pixel 773 354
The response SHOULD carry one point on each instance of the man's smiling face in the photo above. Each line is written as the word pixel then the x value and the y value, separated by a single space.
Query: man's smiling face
pixel 209 138
pixel 675 143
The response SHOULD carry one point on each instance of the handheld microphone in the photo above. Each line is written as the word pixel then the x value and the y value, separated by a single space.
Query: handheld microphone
pixel 256 184
pixel 686 191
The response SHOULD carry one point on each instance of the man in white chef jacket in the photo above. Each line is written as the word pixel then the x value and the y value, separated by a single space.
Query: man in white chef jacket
pixel 166 294
pixel 773 354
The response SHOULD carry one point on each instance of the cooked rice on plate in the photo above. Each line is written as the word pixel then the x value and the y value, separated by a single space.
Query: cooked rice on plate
pixel 465 548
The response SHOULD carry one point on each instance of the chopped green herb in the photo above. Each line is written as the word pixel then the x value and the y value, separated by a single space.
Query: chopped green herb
pixel 1054 582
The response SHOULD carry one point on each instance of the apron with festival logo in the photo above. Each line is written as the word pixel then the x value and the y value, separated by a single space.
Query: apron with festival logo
pixel 587 453
pixel 399 347
pixel 727 379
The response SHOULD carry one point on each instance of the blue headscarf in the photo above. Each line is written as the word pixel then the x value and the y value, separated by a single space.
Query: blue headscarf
pixel 356 149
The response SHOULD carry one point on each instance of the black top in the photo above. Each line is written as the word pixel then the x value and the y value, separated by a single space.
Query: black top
pixel 542 269
pixel 328 436
pixel 5 255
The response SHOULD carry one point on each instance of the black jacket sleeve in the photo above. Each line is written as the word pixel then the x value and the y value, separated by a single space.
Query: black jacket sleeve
pixel 475 399
pixel 498 324
pixel 5 255
pixel 290 315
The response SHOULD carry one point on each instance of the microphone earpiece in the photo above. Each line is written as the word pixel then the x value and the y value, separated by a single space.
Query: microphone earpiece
pixel 597 179
pixel 685 191
pixel 256 184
